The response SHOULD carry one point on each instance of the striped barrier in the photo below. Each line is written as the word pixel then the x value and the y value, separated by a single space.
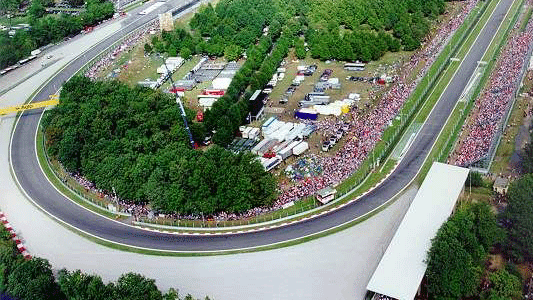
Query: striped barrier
pixel 20 246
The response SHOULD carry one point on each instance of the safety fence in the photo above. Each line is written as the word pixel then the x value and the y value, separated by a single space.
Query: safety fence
pixel 390 137
pixel 483 164
pixel 389 140
pixel 90 196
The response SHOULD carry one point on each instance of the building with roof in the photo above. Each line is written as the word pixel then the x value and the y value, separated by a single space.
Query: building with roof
pixel 501 185
pixel 325 195
pixel 402 266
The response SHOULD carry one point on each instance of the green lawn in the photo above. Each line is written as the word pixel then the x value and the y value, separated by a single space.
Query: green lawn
pixel 392 135
pixel 449 134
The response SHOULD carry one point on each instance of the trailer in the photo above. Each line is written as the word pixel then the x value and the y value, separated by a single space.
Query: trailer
pixel 267 147
pixel 254 133
pixel 288 150
pixel 318 98
pixel 300 148
pixel 281 146
pixel 296 131
pixel 246 132
pixel 354 66
pixel 308 130
pixel 273 162
pixel 306 114
pixel 308 104
pixel 309 95
pixel 268 122
pixel 282 131
pixel 272 128
pixel 285 153
pixel 260 145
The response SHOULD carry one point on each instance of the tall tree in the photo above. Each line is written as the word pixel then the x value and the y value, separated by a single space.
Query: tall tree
pixel 78 285
pixel 131 286
pixel 33 279
pixel 504 285
pixel 458 250
pixel 518 218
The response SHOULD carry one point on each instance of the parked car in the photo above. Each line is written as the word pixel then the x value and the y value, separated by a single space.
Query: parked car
pixel 325 146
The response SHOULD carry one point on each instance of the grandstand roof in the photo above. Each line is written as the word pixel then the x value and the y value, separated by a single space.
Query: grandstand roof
pixel 402 267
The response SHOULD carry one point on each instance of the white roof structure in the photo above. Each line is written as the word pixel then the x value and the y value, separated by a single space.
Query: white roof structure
pixel 207 103
pixel 221 83
pixel 402 267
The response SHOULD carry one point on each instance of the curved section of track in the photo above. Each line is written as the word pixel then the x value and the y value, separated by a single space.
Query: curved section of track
pixel 33 181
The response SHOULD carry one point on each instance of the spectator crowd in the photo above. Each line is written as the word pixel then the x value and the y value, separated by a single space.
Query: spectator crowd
pixel 127 44
pixel 366 127
pixel 495 100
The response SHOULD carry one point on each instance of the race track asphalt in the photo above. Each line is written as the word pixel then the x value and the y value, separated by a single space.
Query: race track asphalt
pixel 30 177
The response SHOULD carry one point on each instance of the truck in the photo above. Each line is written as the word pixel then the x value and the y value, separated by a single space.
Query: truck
pixel 268 122
pixel 318 98
pixel 309 95
pixel 246 132
pixel 284 153
pixel 257 148
pixel 253 134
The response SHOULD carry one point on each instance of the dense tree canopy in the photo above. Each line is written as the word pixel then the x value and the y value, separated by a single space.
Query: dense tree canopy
pixel 504 286
pixel 33 279
pixel 133 286
pixel 224 30
pixel 359 29
pixel 133 141
pixel 78 285
pixel 457 252
pixel 344 30
pixel 518 218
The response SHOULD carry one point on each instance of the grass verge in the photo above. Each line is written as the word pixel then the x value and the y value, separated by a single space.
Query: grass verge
pixel 51 175
pixel 366 181
pixel 449 134
pixel 367 176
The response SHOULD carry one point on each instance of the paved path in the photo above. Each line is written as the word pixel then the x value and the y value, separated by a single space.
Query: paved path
pixel 38 188
pixel 337 266
pixel 334 267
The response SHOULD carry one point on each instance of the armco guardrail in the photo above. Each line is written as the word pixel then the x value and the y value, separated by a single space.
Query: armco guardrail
pixel 115 208
pixel 420 94
pixel 483 165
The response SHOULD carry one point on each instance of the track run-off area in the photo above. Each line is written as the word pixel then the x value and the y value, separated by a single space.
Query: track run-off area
pixel 29 176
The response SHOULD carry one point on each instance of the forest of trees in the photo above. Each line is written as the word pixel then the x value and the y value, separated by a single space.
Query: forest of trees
pixel 459 250
pixel 345 30
pixel 33 279
pixel 132 140
pixel 225 30
pixel 518 218
pixel 365 30
pixel 49 28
